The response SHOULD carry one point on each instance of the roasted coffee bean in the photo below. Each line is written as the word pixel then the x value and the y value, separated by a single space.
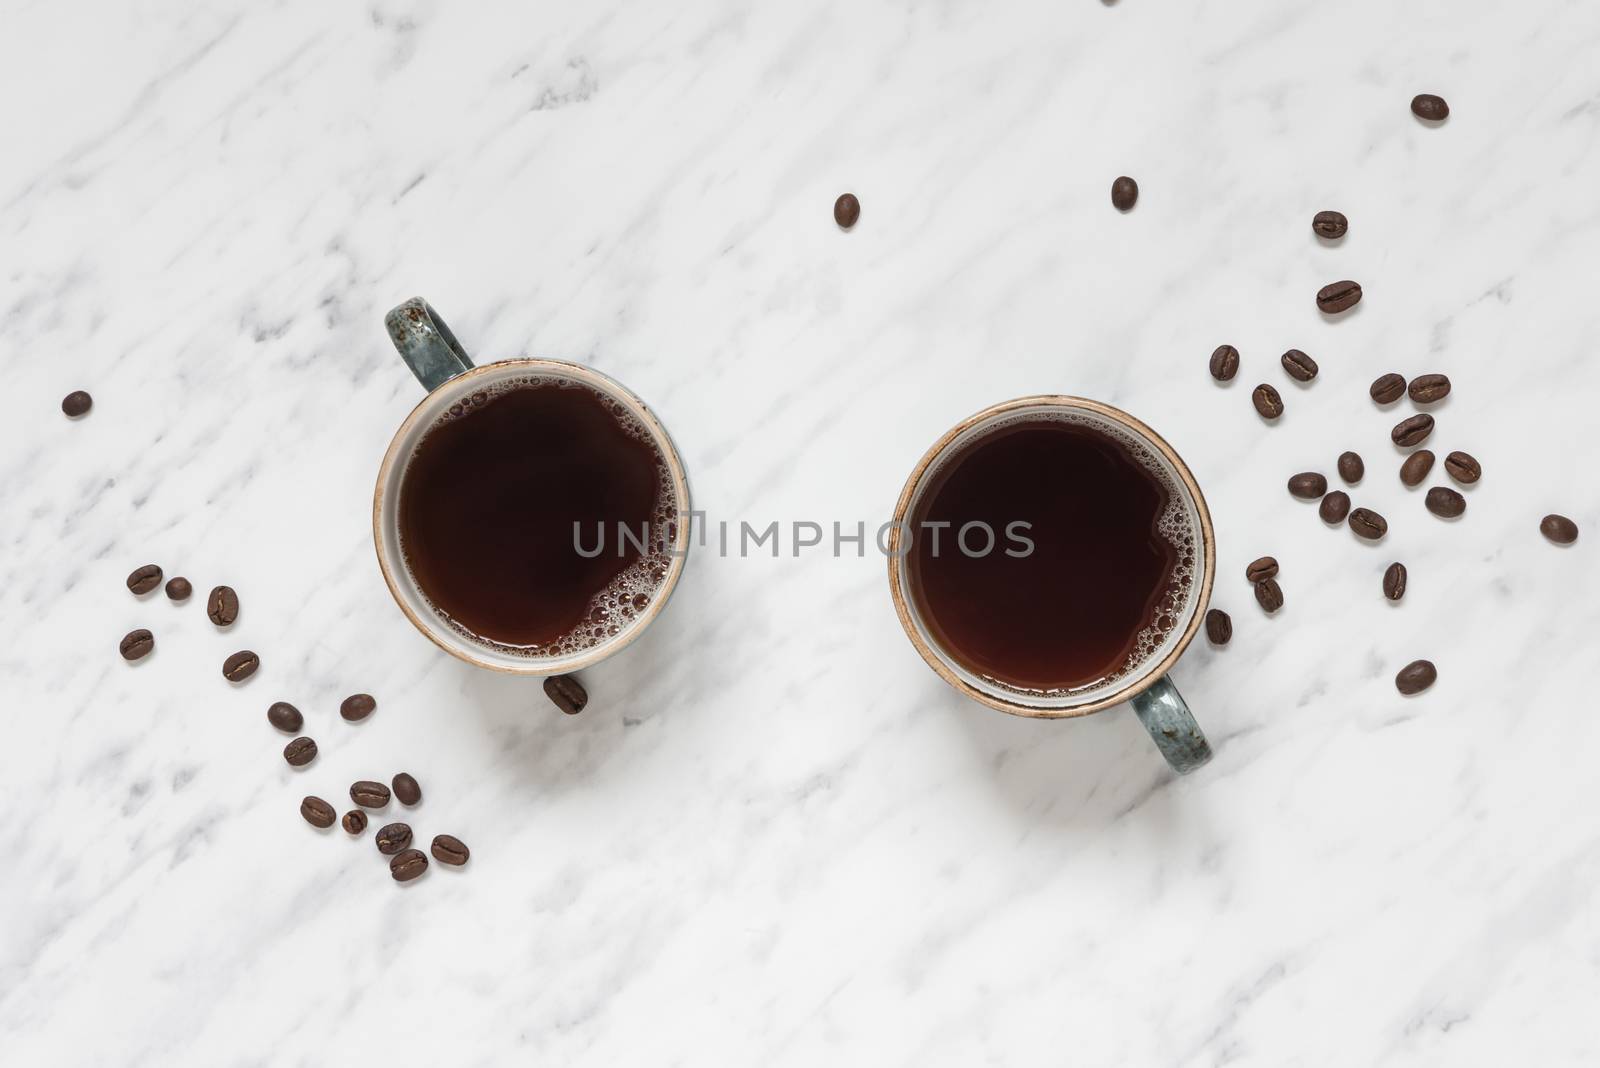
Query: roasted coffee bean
pixel 179 589
pixel 1269 595
pixel 1463 468
pixel 369 794
pixel 1351 467
pixel 300 752
pixel 1261 569
pixel 1425 389
pixel 1412 431
pixel 846 210
pixel 1445 502
pixel 1386 389
pixel 406 790
pixel 448 849
pixel 1124 193
pixel 1336 297
pixel 1219 627
pixel 1416 677
pixel 357 707
pixel 1301 368
pixel 285 717
pixel 144 579
pixel 567 693
pixel 317 812
pixel 136 644
pixel 1429 107
pixel 1394 581
pixel 1335 506
pixel 408 865
pixel 355 821
pixel 393 837
pixel 1224 363
pixel 1268 404
pixel 1330 224
pixel 1308 485
pixel 76 403
pixel 1416 467
pixel 1365 523
pixel 240 665
pixel 1559 529
pixel 223 606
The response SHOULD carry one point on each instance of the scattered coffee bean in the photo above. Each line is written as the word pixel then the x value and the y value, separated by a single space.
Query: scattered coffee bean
pixel 223 606
pixel 1124 193
pixel 240 665
pixel 1365 523
pixel 1301 368
pixel 408 865
pixel 567 693
pixel 1463 468
pixel 136 644
pixel 357 707
pixel 76 403
pixel 1269 595
pixel 1219 627
pixel 1261 569
pixel 1425 389
pixel 392 837
pixel 1335 506
pixel 1416 467
pixel 1394 581
pixel 406 790
pixel 1386 389
pixel 285 717
pixel 1330 224
pixel 144 579
pixel 317 812
pixel 1308 485
pixel 1445 502
pixel 1559 529
pixel 300 752
pixel 355 821
pixel 1268 404
pixel 1412 431
pixel 1416 677
pixel 1351 467
pixel 369 794
pixel 448 849
pixel 846 210
pixel 1336 297
pixel 1224 363
pixel 179 589
pixel 1429 107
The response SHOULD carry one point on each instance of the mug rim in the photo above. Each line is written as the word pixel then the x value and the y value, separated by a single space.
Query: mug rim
pixel 1146 678
pixel 468 650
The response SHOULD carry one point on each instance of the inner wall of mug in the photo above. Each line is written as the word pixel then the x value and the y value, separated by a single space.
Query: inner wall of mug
pixel 1194 559
pixel 386 513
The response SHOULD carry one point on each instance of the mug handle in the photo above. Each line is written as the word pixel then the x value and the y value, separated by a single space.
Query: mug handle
pixel 1172 726
pixel 426 343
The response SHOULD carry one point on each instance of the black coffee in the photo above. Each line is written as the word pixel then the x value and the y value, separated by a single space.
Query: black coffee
pixel 1106 579
pixel 504 491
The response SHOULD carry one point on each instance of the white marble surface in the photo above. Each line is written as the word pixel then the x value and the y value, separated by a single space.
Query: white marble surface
pixel 775 837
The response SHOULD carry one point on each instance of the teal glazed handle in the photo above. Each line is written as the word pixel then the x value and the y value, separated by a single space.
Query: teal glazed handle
pixel 426 343
pixel 1165 715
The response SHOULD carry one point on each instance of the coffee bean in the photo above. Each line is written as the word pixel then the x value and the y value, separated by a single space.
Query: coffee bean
pixel 1308 485
pixel 144 579
pixel 1445 502
pixel 1336 297
pixel 1463 468
pixel 1425 389
pixel 1386 389
pixel 1335 506
pixel 1301 368
pixel 1365 523
pixel 1394 581
pixel 1416 677
pixel 223 606
pixel 179 589
pixel 355 821
pixel 1269 595
pixel 1351 467
pixel 1429 107
pixel 357 707
pixel 240 665
pixel 1412 431
pixel 317 812
pixel 369 794
pixel 408 865
pixel 1124 193
pixel 846 210
pixel 1416 467
pixel 406 790
pixel 136 644
pixel 567 693
pixel 1219 627
pixel 448 849
pixel 1330 224
pixel 285 717
pixel 1268 404
pixel 1261 569
pixel 1559 529
pixel 392 837
pixel 300 752
pixel 76 403
pixel 1224 363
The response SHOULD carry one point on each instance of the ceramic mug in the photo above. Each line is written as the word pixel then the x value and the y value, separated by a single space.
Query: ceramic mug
pixel 445 371
pixel 1156 700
